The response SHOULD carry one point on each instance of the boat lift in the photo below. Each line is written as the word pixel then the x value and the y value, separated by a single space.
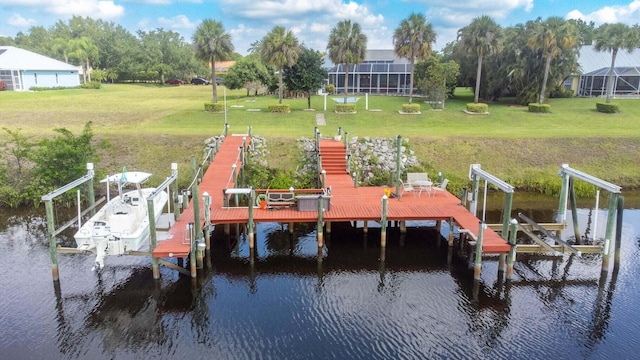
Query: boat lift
pixel 48 203
pixel 615 210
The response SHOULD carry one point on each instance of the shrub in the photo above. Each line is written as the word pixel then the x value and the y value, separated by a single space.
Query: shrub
pixel 214 107
pixel 560 92
pixel 279 108
pixel 539 108
pixel 607 108
pixel 479 108
pixel 411 108
pixel 91 85
pixel 330 88
pixel 3 86
pixel 346 108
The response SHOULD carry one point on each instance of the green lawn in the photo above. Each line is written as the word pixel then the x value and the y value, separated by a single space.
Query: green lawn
pixel 150 126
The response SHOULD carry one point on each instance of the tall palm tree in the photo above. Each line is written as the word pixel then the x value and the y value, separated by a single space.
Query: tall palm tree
pixel 481 37
pixel 613 37
pixel 84 50
pixel 412 40
pixel 279 48
pixel 553 37
pixel 347 45
pixel 212 44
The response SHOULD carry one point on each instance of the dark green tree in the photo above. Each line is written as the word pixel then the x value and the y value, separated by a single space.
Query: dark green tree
pixel 308 74
pixel 249 73
pixel 212 43
pixel 279 48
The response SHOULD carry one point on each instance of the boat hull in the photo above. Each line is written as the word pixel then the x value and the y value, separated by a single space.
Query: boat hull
pixel 122 225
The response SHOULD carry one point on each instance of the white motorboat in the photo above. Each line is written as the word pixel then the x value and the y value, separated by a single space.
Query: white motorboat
pixel 122 225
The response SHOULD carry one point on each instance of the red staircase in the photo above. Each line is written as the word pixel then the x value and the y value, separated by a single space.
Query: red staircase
pixel 334 157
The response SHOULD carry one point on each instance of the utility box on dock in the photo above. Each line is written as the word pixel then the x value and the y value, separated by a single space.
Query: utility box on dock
pixel 310 202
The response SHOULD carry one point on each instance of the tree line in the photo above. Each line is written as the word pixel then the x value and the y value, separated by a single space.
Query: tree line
pixel 527 61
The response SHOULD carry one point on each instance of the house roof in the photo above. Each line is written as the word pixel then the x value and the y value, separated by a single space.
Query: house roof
pixel 591 60
pixel 13 58
pixel 617 71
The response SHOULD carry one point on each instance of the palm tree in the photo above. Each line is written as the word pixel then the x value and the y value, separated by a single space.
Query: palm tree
pixel 84 50
pixel 212 44
pixel 348 45
pixel 481 37
pixel 613 37
pixel 412 40
pixel 553 37
pixel 279 48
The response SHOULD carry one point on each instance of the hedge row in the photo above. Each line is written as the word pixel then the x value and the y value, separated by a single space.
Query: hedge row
pixel 411 108
pixel 607 108
pixel 480 108
pixel 539 108
pixel 214 107
pixel 346 108
pixel 279 108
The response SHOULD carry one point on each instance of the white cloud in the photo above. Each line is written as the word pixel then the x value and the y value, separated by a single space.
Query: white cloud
pixel 178 22
pixel 102 9
pixel 261 16
pixel 18 21
pixel 628 14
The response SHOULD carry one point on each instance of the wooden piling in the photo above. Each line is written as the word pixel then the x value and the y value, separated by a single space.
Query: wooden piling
pixel 192 253
pixel 52 240
pixel 478 260
pixel 153 239
pixel 513 231
pixel 403 227
pixel 320 222
pixel 250 223
pixel 574 211
pixel 451 232
pixel 616 259
pixel 383 222
pixel 606 247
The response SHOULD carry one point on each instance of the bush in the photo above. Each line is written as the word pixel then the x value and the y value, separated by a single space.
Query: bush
pixel 560 92
pixel 3 86
pixel 91 85
pixel 539 108
pixel 607 108
pixel 411 108
pixel 346 108
pixel 279 108
pixel 480 108
pixel 330 88
pixel 214 107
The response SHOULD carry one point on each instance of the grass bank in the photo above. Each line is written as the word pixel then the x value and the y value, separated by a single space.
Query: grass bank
pixel 149 126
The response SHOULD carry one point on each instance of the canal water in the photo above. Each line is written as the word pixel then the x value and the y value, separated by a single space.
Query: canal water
pixel 353 302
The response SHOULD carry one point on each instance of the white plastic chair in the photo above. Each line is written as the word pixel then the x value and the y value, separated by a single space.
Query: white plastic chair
pixel 407 187
pixel 442 187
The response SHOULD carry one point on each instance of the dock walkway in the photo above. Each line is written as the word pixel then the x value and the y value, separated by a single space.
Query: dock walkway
pixel 347 203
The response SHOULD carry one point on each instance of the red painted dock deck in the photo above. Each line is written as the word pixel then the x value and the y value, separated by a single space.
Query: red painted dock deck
pixel 348 203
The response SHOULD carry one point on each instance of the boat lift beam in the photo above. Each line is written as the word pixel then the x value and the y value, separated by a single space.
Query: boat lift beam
pixel 604 185
pixel 475 174
pixel 549 235
pixel 153 237
pixel 51 223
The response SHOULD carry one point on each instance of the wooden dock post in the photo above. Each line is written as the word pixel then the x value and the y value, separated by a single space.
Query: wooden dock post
pixel 403 227
pixel 383 222
pixel 513 231
pixel 250 221
pixel 206 200
pixel 616 259
pixel 320 221
pixel 398 164
pixel 52 240
pixel 192 252
pixel 450 243
pixel 153 240
pixel 327 226
pixel 606 247
pixel 290 227
pixel 477 270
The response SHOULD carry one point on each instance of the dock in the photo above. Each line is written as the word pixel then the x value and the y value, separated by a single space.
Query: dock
pixel 348 202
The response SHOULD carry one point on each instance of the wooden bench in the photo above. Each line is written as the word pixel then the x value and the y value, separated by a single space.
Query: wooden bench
pixel 275 198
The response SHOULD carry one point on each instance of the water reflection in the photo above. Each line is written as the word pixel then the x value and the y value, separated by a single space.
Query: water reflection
pixel 351 299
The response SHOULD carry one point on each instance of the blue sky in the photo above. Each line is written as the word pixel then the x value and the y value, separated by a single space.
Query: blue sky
pixel 311 20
